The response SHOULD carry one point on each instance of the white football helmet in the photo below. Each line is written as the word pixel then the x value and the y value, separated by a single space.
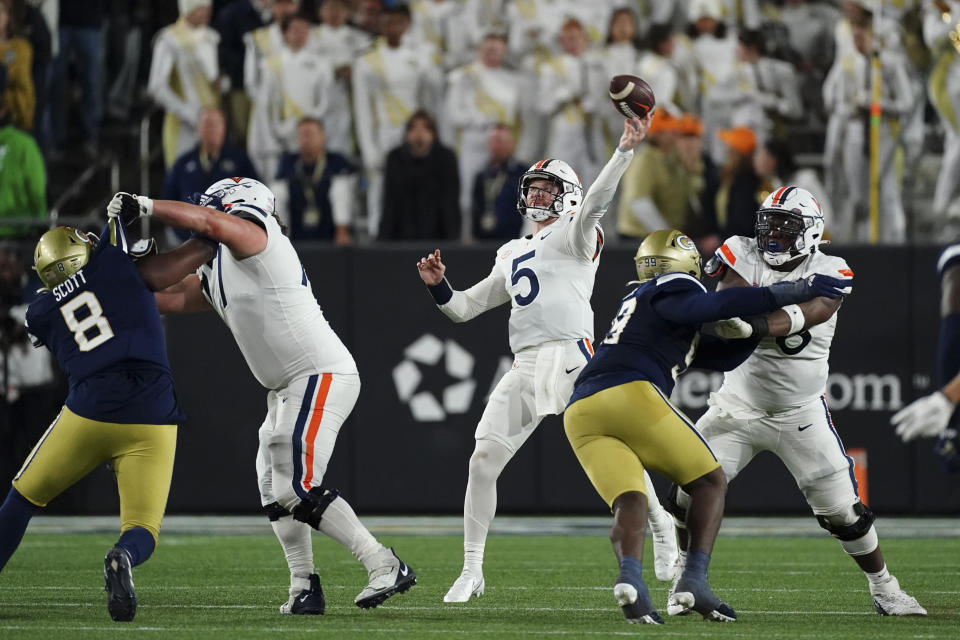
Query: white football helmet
pixel 566 201
pixel 248 191
pixel 789 225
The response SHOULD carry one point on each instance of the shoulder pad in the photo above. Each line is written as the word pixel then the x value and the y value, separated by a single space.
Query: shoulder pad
pixel 143 248
pixel 678 281
pixel 948 258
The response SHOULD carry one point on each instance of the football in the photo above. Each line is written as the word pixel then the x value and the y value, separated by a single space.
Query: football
pixel 632 96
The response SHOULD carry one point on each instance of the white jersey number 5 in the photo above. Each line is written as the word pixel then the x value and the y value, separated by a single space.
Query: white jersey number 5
pixel 525 272
pixel 95 319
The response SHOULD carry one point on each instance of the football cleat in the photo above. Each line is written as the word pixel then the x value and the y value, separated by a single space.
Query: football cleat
pixel 635 611
pixel 392 578
pixel 309 602
pixel 897 603
pixel 699 597
pixel 467 585
pixel 666 553
pixel 121 597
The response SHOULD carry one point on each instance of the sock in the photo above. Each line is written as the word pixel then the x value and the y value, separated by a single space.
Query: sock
pixel 696 565
pixel 15 514
pixel 341 523
pixel 631 571
pixel 683 559
pixel 294 537
pixel 480 501
pixel 882 581
pixel 473 557
pixel 138 543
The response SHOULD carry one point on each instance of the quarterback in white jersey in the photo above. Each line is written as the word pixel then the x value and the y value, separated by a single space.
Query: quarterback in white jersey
pixel 257 285
pixel 547 277
pixel 775 401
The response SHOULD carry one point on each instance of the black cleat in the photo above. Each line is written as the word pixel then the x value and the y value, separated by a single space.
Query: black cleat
pixel 636 607
pixel 121 597
pixel 392 578
pixel 309 602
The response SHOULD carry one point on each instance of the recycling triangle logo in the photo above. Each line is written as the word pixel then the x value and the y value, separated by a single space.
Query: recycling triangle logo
pixel 455 393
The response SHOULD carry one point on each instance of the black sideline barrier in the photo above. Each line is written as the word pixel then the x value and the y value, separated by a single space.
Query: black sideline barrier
pixel 407 445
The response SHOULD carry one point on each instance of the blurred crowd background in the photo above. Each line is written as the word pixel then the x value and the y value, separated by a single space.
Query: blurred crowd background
pixel 377 121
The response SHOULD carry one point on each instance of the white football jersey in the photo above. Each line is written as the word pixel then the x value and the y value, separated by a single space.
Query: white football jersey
pixel 783 371
pixel 549 288
pixel 548 276
pixel 267 302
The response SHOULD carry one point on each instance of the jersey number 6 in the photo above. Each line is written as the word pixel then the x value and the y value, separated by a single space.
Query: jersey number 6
pixel 95 319
pixel 525 272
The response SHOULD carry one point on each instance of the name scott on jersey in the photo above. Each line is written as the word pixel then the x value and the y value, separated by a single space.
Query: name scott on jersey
pixel 69 285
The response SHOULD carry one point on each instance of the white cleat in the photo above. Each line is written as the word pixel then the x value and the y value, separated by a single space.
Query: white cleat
pixel 392 578
pixel 626 596
pixel 897 603
pixel 464 587
pixel 666 553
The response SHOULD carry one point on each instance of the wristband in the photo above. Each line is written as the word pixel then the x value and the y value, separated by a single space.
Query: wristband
pixel 797 321
pixel 441 292
pixel 146 205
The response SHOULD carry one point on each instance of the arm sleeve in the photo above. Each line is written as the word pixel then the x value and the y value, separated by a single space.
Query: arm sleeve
pixel 581 235
pixel 717 354
pixel 485 295
pixel 694 306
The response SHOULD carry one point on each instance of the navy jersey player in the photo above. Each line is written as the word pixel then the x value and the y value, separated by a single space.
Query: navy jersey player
pixel 930 415
pixel 98 316
pixel 620 420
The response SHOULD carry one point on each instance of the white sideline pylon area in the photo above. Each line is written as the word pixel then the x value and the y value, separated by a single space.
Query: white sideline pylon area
pixel 413 525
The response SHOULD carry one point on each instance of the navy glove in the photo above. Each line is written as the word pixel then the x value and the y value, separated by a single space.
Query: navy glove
pixel 817 285
pixel 204 200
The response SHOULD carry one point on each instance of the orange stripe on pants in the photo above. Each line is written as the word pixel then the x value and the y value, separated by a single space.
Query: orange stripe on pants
pixel 314 427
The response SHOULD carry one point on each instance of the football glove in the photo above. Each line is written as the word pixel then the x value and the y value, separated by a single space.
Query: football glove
pixel 204 200
pixel 739 328
pixel 817 285
pixel 925 417
pixel 127 207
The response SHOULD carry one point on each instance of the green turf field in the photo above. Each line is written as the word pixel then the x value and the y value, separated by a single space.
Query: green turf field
pixel 203 586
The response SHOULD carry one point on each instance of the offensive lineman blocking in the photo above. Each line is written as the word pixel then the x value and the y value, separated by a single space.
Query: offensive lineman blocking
pixel 548 279
pixel 775 401
pixel 256 284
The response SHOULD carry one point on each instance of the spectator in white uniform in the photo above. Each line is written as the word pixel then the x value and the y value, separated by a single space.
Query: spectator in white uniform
pixel 185 76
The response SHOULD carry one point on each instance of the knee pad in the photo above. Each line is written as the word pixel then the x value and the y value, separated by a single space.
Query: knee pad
pixel 311 507
pixel 676 505
pixel 853 527
pixel 274 511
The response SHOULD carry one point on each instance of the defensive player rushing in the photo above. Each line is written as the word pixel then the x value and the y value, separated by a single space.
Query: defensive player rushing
pixel 257 285
pixel 97 314
pixel 548 278
pixel 775 400
pixel 930 415
pixel 620 420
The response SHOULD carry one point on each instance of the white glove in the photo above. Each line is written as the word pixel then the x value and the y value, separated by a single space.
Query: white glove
pixel 923 418
pixel 733 329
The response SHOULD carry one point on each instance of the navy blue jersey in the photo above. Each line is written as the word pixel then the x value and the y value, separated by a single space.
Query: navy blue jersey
pixel 655 335
pixel 103 326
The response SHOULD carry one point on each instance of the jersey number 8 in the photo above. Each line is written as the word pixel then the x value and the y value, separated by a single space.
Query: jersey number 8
pixel 96 320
